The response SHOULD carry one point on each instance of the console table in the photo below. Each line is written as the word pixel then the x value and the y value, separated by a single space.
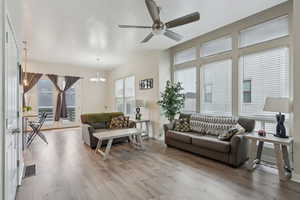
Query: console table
pixel 281 152
pixel 147 124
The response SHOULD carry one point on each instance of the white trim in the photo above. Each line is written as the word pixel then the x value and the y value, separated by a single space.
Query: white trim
pixel 296 177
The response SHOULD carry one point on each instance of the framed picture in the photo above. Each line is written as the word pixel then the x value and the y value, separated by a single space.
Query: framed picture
pixel 146 84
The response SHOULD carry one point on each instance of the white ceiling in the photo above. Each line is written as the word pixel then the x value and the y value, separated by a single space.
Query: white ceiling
pixel 77 31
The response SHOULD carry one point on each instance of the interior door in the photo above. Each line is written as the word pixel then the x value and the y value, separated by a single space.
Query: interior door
pixel 11 104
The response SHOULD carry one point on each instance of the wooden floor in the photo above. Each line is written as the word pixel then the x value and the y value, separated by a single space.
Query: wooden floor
pixel 67 169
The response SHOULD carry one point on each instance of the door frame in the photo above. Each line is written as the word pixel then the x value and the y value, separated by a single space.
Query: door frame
pixel 7 22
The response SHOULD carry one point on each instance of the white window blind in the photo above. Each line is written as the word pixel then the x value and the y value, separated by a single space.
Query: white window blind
pixel 119 95
pixel 185 56
pixel 125 95
pixel 129 95
pixel 188 79
pixel 216 46
pixel 216 81
pixel 270 30
pixel 269 75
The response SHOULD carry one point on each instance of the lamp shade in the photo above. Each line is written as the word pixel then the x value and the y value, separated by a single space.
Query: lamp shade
pixel 140 103
pixel 278 105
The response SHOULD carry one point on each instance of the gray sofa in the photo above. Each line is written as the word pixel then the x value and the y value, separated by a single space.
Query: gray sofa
pixel 233 152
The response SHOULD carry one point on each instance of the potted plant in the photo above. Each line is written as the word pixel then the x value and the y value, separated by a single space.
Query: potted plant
pixel 172 100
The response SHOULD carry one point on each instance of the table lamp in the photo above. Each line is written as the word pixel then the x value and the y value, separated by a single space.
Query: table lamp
pixel 280 105
pixel 139 104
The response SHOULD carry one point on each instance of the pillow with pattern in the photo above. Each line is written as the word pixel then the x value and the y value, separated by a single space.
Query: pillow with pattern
pixel 117 122
pixel 182 125
pixel 126 122
pixel 226 136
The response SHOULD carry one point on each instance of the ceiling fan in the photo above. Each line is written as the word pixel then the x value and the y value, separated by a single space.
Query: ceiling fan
pixel 160 27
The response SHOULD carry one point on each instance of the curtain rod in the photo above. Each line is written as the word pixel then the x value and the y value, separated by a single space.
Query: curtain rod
pixel 54 74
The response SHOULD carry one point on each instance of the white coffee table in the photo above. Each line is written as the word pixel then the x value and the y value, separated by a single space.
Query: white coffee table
pixel 134 134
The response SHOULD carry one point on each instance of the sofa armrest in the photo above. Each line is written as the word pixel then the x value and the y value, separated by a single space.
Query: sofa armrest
pixel 167 127
pixel 87 131
pixel 131 124
pixel 239 150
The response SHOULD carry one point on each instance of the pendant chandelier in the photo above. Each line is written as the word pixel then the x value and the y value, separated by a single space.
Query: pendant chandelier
pixel 98 78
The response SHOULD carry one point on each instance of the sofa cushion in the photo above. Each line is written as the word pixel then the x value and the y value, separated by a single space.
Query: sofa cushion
pixel 211 142
pixel 179 136
pixel 98 125
pixel 99 117
pixel 117 122
pixel 212 125
pixel 182 125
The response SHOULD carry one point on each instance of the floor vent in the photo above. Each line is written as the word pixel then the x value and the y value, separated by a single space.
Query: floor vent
pixel 29 171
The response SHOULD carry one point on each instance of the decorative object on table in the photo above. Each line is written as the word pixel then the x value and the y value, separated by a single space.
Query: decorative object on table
pixel 139 104
pixel 146 84
pixel 280 105
pixel 262 133
pixel 172 100
pixel 98 78
pixel 27 108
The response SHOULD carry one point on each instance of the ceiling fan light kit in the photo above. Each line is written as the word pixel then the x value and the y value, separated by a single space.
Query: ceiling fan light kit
pixel 161 28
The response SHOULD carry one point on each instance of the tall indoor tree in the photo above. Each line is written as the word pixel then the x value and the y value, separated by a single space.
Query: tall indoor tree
pixel 172 100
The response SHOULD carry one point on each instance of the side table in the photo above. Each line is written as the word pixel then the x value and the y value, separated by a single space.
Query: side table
pixel 147 123
pixel 280 149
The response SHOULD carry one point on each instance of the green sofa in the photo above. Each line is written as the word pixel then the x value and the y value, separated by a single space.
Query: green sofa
pixel 89 122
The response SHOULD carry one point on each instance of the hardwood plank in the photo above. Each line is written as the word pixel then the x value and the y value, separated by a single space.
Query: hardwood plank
pixel 68 169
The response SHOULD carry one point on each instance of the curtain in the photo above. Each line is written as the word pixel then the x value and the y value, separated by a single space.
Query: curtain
pixel 32 79
pixel 61 106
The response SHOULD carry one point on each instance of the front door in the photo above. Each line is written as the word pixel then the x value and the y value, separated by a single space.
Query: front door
pixel 11 106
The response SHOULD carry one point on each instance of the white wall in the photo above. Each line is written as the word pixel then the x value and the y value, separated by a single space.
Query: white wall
pixel 142 66
pixel 93 95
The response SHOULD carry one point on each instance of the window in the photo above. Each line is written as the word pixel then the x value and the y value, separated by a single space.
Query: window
pixel 129 95
pixel 119 95
pixel 247 91
pixel 188 79
pixel 216 46
pixel 71 104
pixel 269 75
pixel 45 98
pixel 215 95
pixel 270 30
pixel 185 56
pixel 208 93
pixel 125 95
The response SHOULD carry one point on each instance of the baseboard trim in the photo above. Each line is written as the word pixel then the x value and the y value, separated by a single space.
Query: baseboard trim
pixel 296 178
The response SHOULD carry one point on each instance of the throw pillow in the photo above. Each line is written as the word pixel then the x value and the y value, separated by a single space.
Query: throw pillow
pixel 226 136
pixel 182 125
pixel 117 122
pixel 126 122
pixel 98 125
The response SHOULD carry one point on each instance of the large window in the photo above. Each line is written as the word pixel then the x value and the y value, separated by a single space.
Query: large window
pixel 269 75
pixel 45 98
pixel 273 29
pixel 185 56
pixel 215 88
pixel 188 79
pixel 216 46
pixel 125 95
pixel 238 71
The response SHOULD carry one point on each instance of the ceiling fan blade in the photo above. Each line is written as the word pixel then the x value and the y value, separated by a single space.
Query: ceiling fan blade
pixel 183 20
pixel 147 38
pixel 172 35
pixel 133 26
pixel 153 10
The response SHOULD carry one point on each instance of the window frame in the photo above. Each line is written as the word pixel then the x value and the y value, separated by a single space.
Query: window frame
pixel 124 98
pixel 247 92
pixel 234 30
